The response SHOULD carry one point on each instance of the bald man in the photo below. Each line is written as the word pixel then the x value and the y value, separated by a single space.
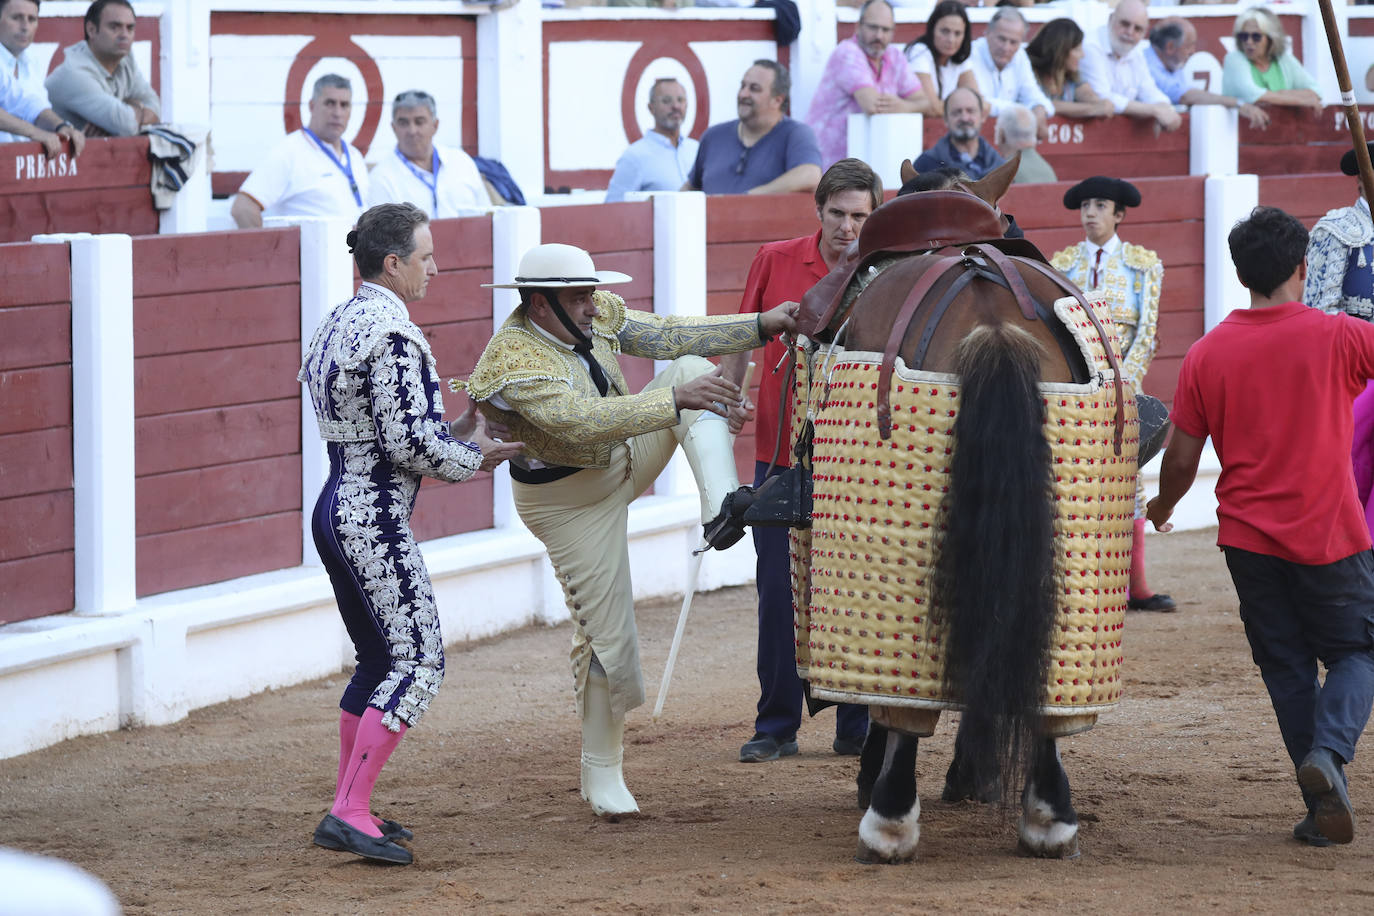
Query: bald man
pixel 1114 65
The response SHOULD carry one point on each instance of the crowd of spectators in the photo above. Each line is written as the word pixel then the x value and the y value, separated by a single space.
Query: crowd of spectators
pixel 1018 75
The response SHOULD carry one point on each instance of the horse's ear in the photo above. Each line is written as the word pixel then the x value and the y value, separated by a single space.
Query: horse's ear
pixel 994 184
pixel 908 171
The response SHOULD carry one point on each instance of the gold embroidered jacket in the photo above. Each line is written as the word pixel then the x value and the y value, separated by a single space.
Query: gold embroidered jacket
pixel 556 409
pixel 1131 278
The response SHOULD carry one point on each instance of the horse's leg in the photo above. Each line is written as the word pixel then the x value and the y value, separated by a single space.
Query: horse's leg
pixel 960 778
pixel 871 762
pixel 891 827
pixel 1049 826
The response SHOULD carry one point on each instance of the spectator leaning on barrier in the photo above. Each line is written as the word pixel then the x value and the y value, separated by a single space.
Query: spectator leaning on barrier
pixel 962 147
pixel 867 73
pixel 1114 65
pixel 25 116
pixel 314 171
pixel 1055 54
pixel 1172 42
pixel 1015 133
pixel 764 152
pixel 442 181
pixel 1004 71
pixel 1262 69
pixel 18 26
pixel 661 159
pixel 940 57
pixel 98 86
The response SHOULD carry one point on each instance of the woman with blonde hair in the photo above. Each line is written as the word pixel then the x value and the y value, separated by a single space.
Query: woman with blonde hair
pixel 1262 69
pixel 1054 54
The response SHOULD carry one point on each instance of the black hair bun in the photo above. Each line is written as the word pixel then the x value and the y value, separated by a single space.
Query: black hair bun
pixel 352 240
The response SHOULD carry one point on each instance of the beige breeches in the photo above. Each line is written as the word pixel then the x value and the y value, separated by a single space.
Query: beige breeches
pixel 582 521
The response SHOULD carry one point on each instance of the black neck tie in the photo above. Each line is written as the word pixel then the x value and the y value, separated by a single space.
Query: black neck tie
pixel 584 350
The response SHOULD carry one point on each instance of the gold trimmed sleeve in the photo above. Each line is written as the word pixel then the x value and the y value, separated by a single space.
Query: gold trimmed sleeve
pixel 1150 272
pixel 668 337
pixel 557 409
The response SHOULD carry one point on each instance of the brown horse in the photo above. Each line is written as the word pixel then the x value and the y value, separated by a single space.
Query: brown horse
pixel 940 294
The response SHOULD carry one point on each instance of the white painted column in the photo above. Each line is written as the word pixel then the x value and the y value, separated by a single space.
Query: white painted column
pixel 514 231
pixel 811 51
pixel 510 92
pixel 326 281
pixel 1229 199
pixel 1316 53
pixel 679 289
pixel 185 68
pixel 884 140
pixel 102 419
pixel 1213 140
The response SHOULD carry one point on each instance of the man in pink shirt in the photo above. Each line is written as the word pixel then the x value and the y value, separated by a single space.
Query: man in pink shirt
pixel 1272 385
pixel 867 73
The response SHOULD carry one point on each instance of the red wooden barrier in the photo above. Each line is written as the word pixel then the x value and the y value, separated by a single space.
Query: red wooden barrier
pixel 217 454
pixel 1308 197
pixel 105 190
pixel 36 523
pixel 1297 141
pixel 456 317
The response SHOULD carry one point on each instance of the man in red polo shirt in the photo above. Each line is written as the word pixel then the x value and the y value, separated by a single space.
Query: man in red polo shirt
pixel 1273 386
pixel 782 272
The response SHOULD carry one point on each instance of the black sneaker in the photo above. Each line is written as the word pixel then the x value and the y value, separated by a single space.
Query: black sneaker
pixel 762 748
pixel 1320 776
pixel 1305 831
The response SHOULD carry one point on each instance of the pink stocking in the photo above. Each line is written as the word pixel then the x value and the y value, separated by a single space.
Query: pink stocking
pixel 348 733
pixel 1138 587
pixel 371 748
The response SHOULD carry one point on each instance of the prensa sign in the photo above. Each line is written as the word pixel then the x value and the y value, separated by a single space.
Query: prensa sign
pixel 34 166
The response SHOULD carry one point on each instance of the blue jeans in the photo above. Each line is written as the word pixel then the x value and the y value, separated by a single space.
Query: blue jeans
pixel 780 690
pixel 1295 615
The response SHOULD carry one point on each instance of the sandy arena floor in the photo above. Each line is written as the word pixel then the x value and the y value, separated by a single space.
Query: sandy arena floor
pixel 1185 798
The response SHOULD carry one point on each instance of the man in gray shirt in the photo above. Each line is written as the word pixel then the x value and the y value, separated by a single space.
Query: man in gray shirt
pixel 98 87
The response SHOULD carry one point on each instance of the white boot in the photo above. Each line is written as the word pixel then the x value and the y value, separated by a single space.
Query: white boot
pixel 710 451
pixel 603 783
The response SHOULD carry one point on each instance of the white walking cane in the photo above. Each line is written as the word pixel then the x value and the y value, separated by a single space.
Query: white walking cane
pixel 693 571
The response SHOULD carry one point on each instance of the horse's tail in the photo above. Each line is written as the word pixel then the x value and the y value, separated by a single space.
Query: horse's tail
pixel 994 577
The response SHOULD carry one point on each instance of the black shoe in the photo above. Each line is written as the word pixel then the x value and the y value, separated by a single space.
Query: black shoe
pixel 394 831
pixel 728 525
pixel 1320 776
pixel 1306 832
pixel 849 747
pixel 334 833
pixel 761 748
pixel 1156 602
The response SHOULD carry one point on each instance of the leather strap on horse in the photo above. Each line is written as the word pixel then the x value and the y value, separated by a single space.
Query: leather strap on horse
pixel 1102 336
pixel 913 300
pixel 1013 277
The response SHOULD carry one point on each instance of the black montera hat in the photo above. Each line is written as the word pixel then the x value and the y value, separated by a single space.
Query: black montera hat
pixel 1348 164
pixel 1100 186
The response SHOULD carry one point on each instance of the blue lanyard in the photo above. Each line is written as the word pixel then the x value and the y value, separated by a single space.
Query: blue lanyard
pixel 431 181
pixel 346 166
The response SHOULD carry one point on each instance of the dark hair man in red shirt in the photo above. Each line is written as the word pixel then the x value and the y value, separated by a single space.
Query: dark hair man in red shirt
pixel 1273 386
pixel 782 272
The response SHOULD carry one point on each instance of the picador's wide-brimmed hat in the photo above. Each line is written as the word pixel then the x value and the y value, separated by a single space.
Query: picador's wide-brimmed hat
pixel 1103 188
pixel 558 266
pixel 1348 164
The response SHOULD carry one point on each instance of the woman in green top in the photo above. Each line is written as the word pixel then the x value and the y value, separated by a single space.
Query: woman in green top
pixel 1261 69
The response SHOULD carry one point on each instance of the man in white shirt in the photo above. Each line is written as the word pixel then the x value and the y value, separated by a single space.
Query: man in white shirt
pixel 314 171
pixel 442 181
pixel 18 24
pixel 1004 71
pixel 1114 65
pixel 661 159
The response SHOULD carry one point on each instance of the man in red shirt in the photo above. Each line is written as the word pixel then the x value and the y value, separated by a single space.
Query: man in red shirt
pixel 782 272
pixel 1273 386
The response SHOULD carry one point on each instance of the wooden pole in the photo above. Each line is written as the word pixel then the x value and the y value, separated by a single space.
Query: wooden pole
pixel 1352 111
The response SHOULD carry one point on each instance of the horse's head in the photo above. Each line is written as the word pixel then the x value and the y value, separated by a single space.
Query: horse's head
pixel 990 188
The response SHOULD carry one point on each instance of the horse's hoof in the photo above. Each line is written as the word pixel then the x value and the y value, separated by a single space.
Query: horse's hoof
pixel 1068 850
pixel 867 855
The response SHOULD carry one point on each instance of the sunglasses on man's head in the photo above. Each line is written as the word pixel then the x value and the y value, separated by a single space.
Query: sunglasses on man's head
pixel 1248 37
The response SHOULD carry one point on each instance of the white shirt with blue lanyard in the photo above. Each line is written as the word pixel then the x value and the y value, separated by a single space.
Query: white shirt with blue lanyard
pixel 451 187
pixel 302 176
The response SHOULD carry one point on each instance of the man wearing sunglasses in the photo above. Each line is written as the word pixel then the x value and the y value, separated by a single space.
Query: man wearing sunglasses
pixel 764 151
